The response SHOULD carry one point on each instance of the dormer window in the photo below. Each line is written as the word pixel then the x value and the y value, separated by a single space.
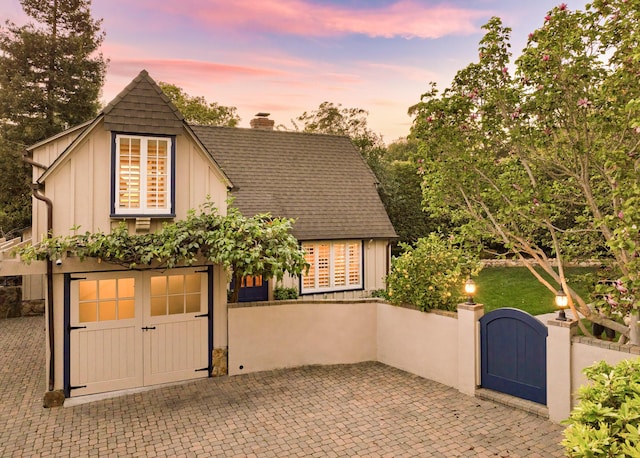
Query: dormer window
pixel 143 176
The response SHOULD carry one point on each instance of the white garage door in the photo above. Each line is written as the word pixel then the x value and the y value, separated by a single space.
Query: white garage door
pixel 132 329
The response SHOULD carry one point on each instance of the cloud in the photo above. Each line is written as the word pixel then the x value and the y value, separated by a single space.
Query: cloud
pixel 400 18
pixel 165 68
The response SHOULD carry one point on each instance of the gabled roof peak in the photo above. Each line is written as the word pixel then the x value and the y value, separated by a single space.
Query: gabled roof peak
pixel 142 107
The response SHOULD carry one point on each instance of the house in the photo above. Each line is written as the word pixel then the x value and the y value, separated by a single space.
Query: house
pixel 139 162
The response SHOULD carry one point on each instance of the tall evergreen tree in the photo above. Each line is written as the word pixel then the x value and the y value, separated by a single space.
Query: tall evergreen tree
pixel 51 74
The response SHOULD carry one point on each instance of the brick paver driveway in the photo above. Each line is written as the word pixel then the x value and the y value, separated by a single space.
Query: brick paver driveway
pixel 357 410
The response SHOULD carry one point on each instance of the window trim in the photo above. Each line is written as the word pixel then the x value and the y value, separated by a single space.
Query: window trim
pixel 335 289
pixel 169 212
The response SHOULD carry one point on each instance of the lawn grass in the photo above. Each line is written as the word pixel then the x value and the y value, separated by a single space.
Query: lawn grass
pixel 516 287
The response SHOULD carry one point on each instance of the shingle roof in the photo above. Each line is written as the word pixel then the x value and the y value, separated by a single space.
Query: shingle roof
pixel 320 180
pixel 142 108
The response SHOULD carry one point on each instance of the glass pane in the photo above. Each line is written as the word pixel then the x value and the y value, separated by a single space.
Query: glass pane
pixel 193 303
pixel 87 312
pixel 88 290
pixel 126 287
pixel 158 286
pixel 192 283
pixel 354 263
pixel 107 310
pixel 339 264
pixel 126 309
pixel 158 306
pixel 309 280
pixel 107 289
pixel 176 284
pixel 176 304
pixel 323 265
pixel 129 173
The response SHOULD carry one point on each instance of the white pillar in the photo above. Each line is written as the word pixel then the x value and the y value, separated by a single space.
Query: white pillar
pixel 559 388
pixel 469 347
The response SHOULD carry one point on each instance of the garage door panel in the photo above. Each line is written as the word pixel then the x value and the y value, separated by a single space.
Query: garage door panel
pixel 173 351
pixel 106 360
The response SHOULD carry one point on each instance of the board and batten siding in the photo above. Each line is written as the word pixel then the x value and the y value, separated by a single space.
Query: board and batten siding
pixel 80 186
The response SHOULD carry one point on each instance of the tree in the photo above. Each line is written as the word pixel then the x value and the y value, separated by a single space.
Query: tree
pixel 197 110
pixel 332 119
pixel 546 162
pixel 51 75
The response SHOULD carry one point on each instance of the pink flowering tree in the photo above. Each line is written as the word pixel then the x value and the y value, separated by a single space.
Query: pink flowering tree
pixel 541 154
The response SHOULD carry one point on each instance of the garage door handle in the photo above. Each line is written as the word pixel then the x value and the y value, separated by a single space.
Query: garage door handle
pixel 147 328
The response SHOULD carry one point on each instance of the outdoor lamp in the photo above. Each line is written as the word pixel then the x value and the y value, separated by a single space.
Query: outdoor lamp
pixel 470 290
pixel 561 302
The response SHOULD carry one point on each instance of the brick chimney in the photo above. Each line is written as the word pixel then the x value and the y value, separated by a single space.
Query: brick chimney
pixel 262 121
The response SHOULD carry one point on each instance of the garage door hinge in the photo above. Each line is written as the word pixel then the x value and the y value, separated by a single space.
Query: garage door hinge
pixel 73 328
pixel 202 316
pixel 77 387
pixel 77 278
pixel 203 369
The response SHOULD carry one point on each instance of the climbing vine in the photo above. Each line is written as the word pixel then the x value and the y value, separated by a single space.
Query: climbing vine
pixel 257 245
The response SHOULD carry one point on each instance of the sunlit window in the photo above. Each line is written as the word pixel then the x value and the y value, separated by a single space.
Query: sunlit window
pixel 143 175
pixel 105 300
pixel 334 266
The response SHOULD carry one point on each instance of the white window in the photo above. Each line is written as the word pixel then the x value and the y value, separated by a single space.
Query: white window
pixel 143 175
pixel 334 266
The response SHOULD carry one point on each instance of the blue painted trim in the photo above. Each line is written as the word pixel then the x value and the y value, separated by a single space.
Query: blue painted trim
pixel 67 337
pixel 362 264
pixel 172 158
pixel 210 291
pixel 173 175
pixel 113 173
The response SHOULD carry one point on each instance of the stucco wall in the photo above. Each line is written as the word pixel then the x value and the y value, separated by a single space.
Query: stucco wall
pixel 425 344
pixel 296 333
pixel 585 351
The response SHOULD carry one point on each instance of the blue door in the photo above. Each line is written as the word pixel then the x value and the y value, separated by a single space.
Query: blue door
pixel 514 354
pixel 254 289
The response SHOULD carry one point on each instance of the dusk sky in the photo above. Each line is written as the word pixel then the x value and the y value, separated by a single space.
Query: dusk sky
pixel 288 56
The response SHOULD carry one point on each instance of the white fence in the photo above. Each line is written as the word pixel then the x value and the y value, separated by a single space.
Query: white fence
pixel 441 346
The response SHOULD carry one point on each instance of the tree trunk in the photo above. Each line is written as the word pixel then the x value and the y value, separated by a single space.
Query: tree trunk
pixel 237 284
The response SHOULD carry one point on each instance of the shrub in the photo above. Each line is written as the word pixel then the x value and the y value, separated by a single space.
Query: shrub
pixel 606 420
pixel 381 293
pixel 281 293
pixel 431 274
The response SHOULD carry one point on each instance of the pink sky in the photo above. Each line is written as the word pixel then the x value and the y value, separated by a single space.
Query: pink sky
pixel 288 56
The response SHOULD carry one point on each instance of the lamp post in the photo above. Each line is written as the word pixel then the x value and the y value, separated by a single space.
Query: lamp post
pixel 561 302
pixel 470 290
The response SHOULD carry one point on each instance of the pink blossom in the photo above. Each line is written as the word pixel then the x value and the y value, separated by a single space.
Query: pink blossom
pixel 545 57
pixel 584 103
pixel 620 214
pixel 505 70
pixel 530 36
pixel 610 300
pixel 547 18
pixel 429 118
pixel 562 7
pixel 620 287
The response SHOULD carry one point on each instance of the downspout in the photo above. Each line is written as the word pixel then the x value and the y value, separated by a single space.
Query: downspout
pixel 35 191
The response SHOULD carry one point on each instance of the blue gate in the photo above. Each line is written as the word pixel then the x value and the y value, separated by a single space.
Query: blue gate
pixel 514 354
